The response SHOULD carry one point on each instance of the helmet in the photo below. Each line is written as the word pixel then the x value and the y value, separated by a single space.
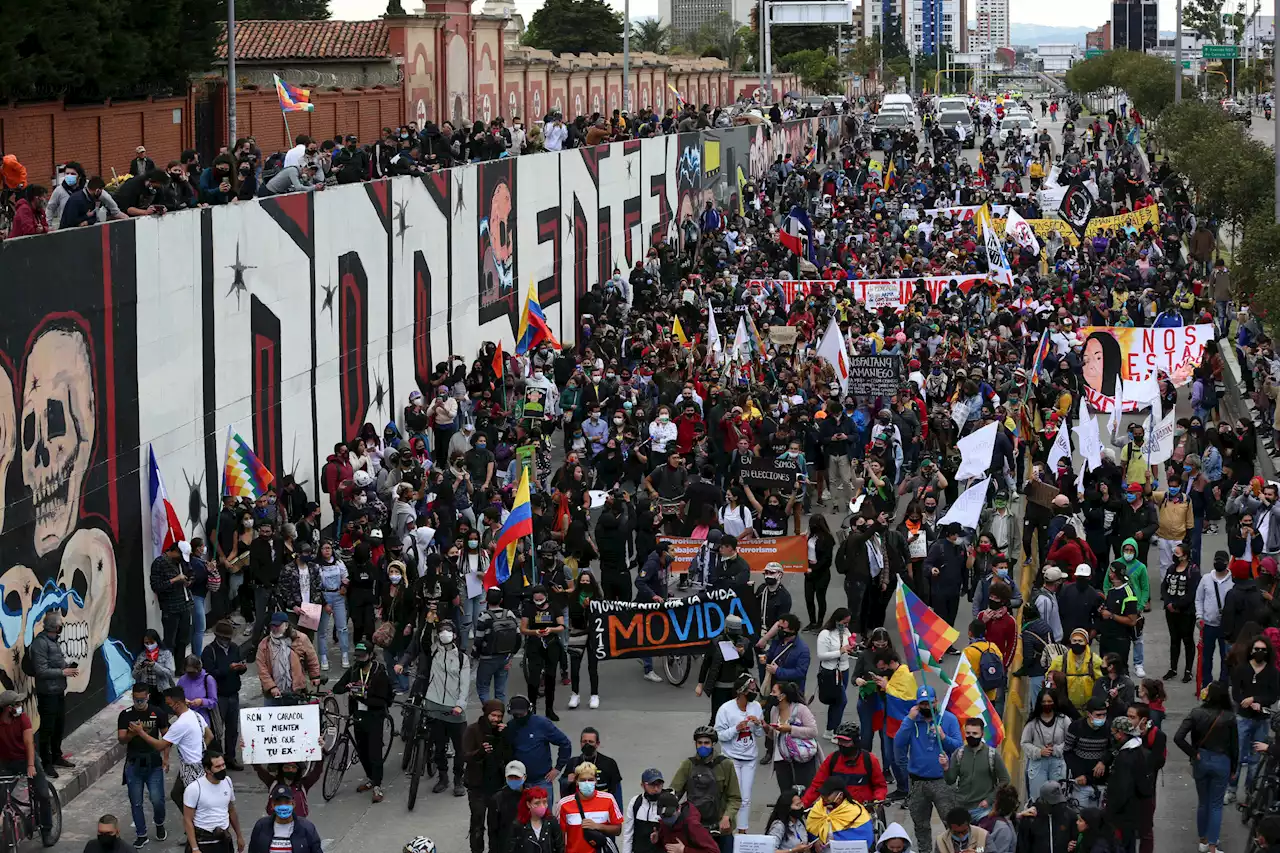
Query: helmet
pixel 421 844
pixel 705 731
pixel 849 730
pixel 362 479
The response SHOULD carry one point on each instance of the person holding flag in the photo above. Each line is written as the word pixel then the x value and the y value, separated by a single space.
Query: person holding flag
pixel 923 743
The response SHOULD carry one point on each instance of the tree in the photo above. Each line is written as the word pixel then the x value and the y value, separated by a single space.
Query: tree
pixel 650 35
pixel 864 58
pixel 575 26
pixel 282 10
pixel 1205 18
pixel 818 70
pixel 1093 74
pixel 1255 267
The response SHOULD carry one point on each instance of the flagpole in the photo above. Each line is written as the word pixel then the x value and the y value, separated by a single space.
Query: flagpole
pixel 288 137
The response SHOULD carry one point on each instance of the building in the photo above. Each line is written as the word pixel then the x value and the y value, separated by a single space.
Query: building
pixel 1133 25
pixel 689 16
pixel 1099 39
pixel 992 31
pixel 931 21
pixel 876 13
pixel 1057 58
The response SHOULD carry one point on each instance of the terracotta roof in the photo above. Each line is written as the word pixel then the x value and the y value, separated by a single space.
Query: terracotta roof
pixel 307 40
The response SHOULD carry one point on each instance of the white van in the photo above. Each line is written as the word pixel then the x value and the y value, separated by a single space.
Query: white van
pixel 899 98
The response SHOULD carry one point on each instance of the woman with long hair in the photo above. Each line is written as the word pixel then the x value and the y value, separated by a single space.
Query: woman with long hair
pixel 1255 687
pixel 579 607
pixel 1043 739
pixel 1095 834
pixel 786 823
pixel 1209 737
pixel 835 645
pixel 1239 651
pixel 796 732
pixel 822 546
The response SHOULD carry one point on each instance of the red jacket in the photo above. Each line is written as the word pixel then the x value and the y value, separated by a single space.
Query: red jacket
pixel 1069 553
pixel 27 221
pixel 1004 633
pixel 863 778
pixel 335 471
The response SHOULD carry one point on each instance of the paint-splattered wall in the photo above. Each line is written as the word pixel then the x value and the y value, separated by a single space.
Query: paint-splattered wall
pixel 293 320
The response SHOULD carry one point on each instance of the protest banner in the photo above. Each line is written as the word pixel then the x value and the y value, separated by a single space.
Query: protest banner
pixel 1114 356
pixel 875 375
pixel 881 287
pixel 791 551
pixel 882 294
pixel 626 629
pixel 784 336
pixel 286 733
pixel 965 213
pixel 779 473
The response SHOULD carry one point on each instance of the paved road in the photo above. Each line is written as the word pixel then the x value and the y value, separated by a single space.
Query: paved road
pixel 643 725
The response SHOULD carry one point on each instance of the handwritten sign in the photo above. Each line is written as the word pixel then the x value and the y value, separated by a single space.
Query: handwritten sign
pixel 754 844
pixel 875 375
pixel 784 336
pixel 282 734
pixel 854 846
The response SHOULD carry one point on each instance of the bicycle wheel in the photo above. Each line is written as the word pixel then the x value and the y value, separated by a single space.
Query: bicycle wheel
pixel 676 668
pixel 388 735
pixel 9 831
pixel 419 767
pixel 407 756
pixel 330 723
pixel 55 817
pixel 337 765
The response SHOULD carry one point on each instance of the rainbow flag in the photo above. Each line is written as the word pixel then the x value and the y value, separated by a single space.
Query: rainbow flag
pixel 533 324
pixel 925 637
pixel 244 475
pixel 293 99
pixel 965 698
pixel 518 525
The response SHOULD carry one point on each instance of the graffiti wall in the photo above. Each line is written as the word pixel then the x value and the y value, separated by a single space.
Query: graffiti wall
pixel 293 320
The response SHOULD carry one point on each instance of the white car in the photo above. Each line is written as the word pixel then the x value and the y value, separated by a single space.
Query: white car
pixel 1021 125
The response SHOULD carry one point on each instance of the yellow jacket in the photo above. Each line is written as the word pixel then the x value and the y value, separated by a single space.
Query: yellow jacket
pixel 1081 673
pixel 974 651
pixel 1176 517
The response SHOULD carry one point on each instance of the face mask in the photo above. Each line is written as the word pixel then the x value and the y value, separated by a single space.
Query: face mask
pixel 704 751
pixel 69 180
pixel 588 750
pixel 473 544
pixel 1129 556
pixel 538 811
pixel 771 581
pixel 1097 724
pixel 480 445
pixel 653 798
pixel 587 788
pixel 1130 497
pixel 1259 655
pixel 446 637
pixel 972 741
pixel 669 821
pixel 751 695
pixel 219 775
pixel 926 712
pixel 247 524
pixel 1173 491
pixel 849 750
pixel 539 602
pixel 662 419
pixel 1078 648
pixel 151 647
pixel 283 811
pixel 959 840
pixel 107 841
pixel 515 784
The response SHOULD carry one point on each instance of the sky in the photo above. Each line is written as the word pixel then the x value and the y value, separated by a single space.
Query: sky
pixel 1081 13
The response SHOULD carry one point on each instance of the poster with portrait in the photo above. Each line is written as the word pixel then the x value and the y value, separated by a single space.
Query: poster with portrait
pixel 1113 354
pixel 497 239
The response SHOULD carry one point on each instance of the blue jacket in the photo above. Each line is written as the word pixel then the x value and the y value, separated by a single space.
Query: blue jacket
pixel 916 745
pixel 531 744
pixel 792 666
pixel 305 838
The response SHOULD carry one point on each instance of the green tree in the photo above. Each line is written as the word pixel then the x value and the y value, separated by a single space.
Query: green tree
pixel 818 70
pixel 1093 74
pixel 864 58
pixel 1205 18
pixel 650 35
pixel 575 26
pixel 1255 266
pixel 1146 78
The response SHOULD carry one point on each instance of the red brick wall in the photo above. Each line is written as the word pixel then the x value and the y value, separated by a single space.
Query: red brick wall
pixel 99 137
pixel 363 113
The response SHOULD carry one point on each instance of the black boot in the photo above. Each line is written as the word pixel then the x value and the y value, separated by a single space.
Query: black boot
pixel 551 701
pixel 441 783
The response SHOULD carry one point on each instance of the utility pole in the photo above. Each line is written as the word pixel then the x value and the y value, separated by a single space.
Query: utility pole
pixel 1177 55
pixel 1275 77
pixel 626 56
pixel 231 76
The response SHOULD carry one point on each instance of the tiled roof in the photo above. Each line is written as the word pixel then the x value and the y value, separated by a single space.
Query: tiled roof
pixel 307 40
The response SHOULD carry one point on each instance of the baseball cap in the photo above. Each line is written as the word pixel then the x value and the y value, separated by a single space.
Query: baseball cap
pixel 282 792
pixel 1135 488
pixel 926 694
pixel 668 805
pixel 1053 574
pixel 279 618
pixel 10 697
pixel 652 775
pixel 516 768
pixel 1084 570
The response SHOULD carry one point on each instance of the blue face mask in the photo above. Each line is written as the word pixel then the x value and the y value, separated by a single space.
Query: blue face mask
pixel 704 751
pixel 515 784
pixel 587 788
pixel 70 180
pixel 1130 497
pixel 1174 491
pixel 284 812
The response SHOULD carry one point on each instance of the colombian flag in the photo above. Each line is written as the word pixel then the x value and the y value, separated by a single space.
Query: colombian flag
pixel 293 99
pixel 1037 362
pixel 849 821
pixel 244 475
pixel 533 324
pixel 518 525
pixel 925 637
pixel 899 697
pixel 165 527
pixel 965 698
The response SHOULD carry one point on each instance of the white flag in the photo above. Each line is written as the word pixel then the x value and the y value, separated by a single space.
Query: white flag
pixel 968 507
pixel 1061 446
pixel 1142 392
pixel 833 350
pixel 997 264
pixel 976 450
pixel 1022 232
pixel 1159 444
pixel 713 334
pixel 1088 440
pixel 741 346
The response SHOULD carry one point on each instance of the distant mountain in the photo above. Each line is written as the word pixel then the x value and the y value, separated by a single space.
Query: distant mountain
pixel 1034 34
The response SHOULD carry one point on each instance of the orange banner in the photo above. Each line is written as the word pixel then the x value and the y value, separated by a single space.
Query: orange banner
pixel 791 551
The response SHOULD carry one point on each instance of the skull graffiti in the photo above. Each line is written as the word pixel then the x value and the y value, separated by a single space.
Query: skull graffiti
pixel 89 571
pixel 8 432
pixel 58 427
pixel 18 591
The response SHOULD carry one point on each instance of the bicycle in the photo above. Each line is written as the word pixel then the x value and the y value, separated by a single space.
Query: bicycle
pixel 343 756
pixel 879 819
pixel 676 667
pixel 417 754
pixel 19 821
pixel 1069 788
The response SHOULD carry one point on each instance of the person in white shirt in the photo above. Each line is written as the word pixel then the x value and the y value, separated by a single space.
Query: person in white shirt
pixel 662 432
pixel 835 644
pixel 555 133
pixel 188 732
pixel 1210 596
pixel 739 722
pixel 297 155
pixel 209 809
pixel 642 815
pixel 735 518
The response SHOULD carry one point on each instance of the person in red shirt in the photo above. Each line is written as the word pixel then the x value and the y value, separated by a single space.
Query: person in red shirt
pixel 587 811
pixel 1001 627
pixel 863 777
pixel 1068 549
pixel 18 754
pixel 28 215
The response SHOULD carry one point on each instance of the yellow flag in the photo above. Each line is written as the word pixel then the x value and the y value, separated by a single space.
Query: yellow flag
pixel 678 331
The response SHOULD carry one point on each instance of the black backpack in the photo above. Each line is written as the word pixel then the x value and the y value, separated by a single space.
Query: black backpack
pixel 504 634
pixel 703 791
pixel 28 665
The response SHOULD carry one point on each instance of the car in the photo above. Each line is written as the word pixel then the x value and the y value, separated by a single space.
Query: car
pixel 1237 112
pixel 1021 126
pixel 887 125
pixel 952 118
pixel 952 103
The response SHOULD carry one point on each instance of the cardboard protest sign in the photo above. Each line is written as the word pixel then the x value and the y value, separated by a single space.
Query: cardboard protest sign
pixel 779 474
pixel 281 734
pixel 625 629
pixel 875 375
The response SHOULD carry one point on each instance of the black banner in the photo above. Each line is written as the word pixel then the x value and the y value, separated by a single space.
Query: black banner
pixel 623 629
pixel 875 375
pixel 778 474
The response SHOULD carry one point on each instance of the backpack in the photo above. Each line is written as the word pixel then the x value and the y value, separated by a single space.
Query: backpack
pixel 703 790
pixel 28 665
pixel 991 760
pixel 1208 393
pixel 504 634
pixel 990 671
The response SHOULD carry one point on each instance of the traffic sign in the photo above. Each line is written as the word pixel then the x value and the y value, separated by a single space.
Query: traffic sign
pixel 1092 52
pixel 1220 51
pixel 1186 63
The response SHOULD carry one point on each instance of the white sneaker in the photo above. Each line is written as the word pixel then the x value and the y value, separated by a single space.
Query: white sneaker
pixel 653 676
pixel 1230 797
pixel 345 662
pixel 324 665
pixel 573 700
pixel 1204 848
pixel 827 735
pixel 1139 671
pixel 594 703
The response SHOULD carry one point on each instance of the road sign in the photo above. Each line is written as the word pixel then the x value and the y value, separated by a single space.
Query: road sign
pixel 1220 51
pixel 1092 52
pixel 1186 63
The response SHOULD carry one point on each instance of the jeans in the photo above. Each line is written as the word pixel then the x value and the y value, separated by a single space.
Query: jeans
pixel 197 625
pixel 835 711
pixel 1250 731
pixel 229 708
pixel 471 609
pixel 338 602
pixel 1041 770
pixel 153 782
pixel 1211 636
pixel 1211 773
pixel 492 668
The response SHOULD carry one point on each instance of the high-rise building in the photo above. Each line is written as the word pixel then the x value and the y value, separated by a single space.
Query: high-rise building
pixel 992 30
pixel 1133 24
pixel 930 22
pixel 688 16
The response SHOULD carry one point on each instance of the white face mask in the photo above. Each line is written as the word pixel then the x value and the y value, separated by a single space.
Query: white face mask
pixel 445 637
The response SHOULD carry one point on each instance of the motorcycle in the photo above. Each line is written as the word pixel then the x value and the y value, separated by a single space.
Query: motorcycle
pixel 1266 113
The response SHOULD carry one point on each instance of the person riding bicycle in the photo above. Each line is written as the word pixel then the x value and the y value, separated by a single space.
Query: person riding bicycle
pixel 858 768
pixel 18 755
